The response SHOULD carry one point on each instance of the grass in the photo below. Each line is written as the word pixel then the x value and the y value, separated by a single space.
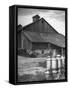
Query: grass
pixel 30 77
pixel 34 69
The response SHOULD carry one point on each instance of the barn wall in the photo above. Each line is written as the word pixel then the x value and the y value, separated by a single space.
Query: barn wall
pixel 63 51
pixel 58 49
pixel 26 44
pixel 35 27
pixel 39 46
pixel 29 28
pixel 44 46
pixel 48 48
pixel 40 26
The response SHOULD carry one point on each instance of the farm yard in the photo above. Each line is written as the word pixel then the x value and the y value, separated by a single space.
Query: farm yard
pixel 41 52
pixel 43 68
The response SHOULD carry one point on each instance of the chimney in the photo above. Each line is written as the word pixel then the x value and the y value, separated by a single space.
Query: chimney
pixel 36 18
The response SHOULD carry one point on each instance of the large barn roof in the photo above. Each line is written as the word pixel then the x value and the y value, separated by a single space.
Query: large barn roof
pixel 56 39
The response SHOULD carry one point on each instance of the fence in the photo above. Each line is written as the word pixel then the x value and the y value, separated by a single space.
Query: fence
pixel 50 68
pixel 55 65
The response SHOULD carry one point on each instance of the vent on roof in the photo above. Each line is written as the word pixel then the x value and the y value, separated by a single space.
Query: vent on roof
pixel 36 18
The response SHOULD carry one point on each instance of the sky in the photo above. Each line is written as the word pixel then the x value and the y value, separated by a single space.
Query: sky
pixel 56 18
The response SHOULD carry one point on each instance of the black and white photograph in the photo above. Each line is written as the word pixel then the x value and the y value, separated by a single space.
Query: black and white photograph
pixel 34 44
pixel 41 45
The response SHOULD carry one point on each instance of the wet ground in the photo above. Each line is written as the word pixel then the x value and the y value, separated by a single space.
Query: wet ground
pixel 37 69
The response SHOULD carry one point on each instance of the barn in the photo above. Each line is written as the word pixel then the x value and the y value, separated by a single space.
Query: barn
pixel 40 36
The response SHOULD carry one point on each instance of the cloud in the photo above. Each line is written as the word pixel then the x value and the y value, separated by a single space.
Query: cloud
pixel 59 15
pixel 23 11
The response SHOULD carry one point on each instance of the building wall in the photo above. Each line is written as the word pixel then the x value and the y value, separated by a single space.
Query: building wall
pixel 26 44
pixel 48 48
pixel 39 46
pixel 40 26
pixel 35 27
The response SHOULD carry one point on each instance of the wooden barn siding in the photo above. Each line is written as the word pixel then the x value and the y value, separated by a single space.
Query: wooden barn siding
pixel 36 46
pixel 26 43
pixel 35 27
pixel 40 26
pixel 39 46
pixel 58 49
pixel 44 46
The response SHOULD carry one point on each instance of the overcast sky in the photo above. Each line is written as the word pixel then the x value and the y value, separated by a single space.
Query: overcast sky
pixel 54 17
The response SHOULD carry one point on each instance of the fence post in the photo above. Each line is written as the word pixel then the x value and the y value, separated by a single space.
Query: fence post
pixel 51 67
pixel 61 67
pixel 62 51
pixel 46 63
pixel 57 65
pixel 63 61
